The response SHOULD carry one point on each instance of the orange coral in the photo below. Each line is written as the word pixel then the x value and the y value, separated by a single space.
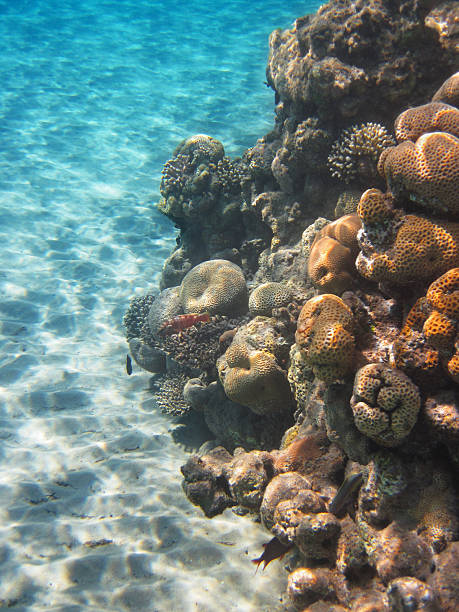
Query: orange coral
pixel 449 91
pixel 374 206
pixel 428 171
pixel 325 335
pixel 432 329
pixel 421 250
pixel 432 117
pixel 443 294
pixel 331 261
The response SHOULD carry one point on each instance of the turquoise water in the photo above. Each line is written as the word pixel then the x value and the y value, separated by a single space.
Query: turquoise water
pixel 95 97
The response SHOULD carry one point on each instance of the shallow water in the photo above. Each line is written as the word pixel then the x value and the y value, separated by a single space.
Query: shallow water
pixel 95 97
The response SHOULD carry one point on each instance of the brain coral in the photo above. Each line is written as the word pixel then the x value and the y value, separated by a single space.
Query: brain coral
pixel 385 403
pixel 449 91
pixel 432 117
pixel 417 250
pixel 250 372
pixel 332 256
pixel 267 296
pixel 427 171
pixel 216 286
pixel 357 150
pixel 325 336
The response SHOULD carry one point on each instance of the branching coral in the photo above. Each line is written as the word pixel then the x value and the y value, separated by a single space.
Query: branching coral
pixel 385 403
pixel 136 315
pixel 325 335
pixel 357 150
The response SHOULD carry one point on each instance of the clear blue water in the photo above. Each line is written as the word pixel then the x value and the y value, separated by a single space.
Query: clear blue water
pixel 95 97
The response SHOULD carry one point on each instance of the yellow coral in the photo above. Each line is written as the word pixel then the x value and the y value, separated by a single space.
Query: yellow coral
pixel 267 296
pixel 428 171
pixel 331 261
pixel 432 117
pixel 421 250
pixel 216 286
pixel 385 404
pixel 325 335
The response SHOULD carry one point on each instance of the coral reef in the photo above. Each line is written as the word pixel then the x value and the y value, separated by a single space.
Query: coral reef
pixel 356 479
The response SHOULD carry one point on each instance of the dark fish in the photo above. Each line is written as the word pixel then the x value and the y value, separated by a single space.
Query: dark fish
pixel 128 365
pixel 274 549
pixel 345 493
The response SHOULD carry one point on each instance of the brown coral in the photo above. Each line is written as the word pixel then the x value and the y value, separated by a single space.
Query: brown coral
pixel 432 117
pixel 267 296
pixel 385 404
pixel 216 286
pixel 325 336
pixel 427 171
pixel 253 380
pixel 332 256
pixel 374 207
pixel 420 249
pixel 443 294
pixel 449 91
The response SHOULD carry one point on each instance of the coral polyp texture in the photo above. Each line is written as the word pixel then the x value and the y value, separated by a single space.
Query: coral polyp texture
pixel 404 248
pixel 357 151
pixel 449 91
pixel 250 371
pixel 431 329
pixel 216 286
pixel 385 404
pixel 267 296
pixel 325 336
pixel 333 252
pixel 432 117
pixel 426 171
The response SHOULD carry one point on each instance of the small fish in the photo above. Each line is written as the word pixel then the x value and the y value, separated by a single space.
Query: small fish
pixel 128 365
pixel 183 321
pixel 347 490
pixel 274 549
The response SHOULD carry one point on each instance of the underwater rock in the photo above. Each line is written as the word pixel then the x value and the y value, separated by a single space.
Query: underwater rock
pixel 445 579
pixel 411 594
pixel 204 482
pixel 306 586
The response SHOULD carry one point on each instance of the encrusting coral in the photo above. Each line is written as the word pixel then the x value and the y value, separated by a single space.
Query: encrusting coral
pixel 332 257
pixel 356 152
pixel 385 403
pixel 325 336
